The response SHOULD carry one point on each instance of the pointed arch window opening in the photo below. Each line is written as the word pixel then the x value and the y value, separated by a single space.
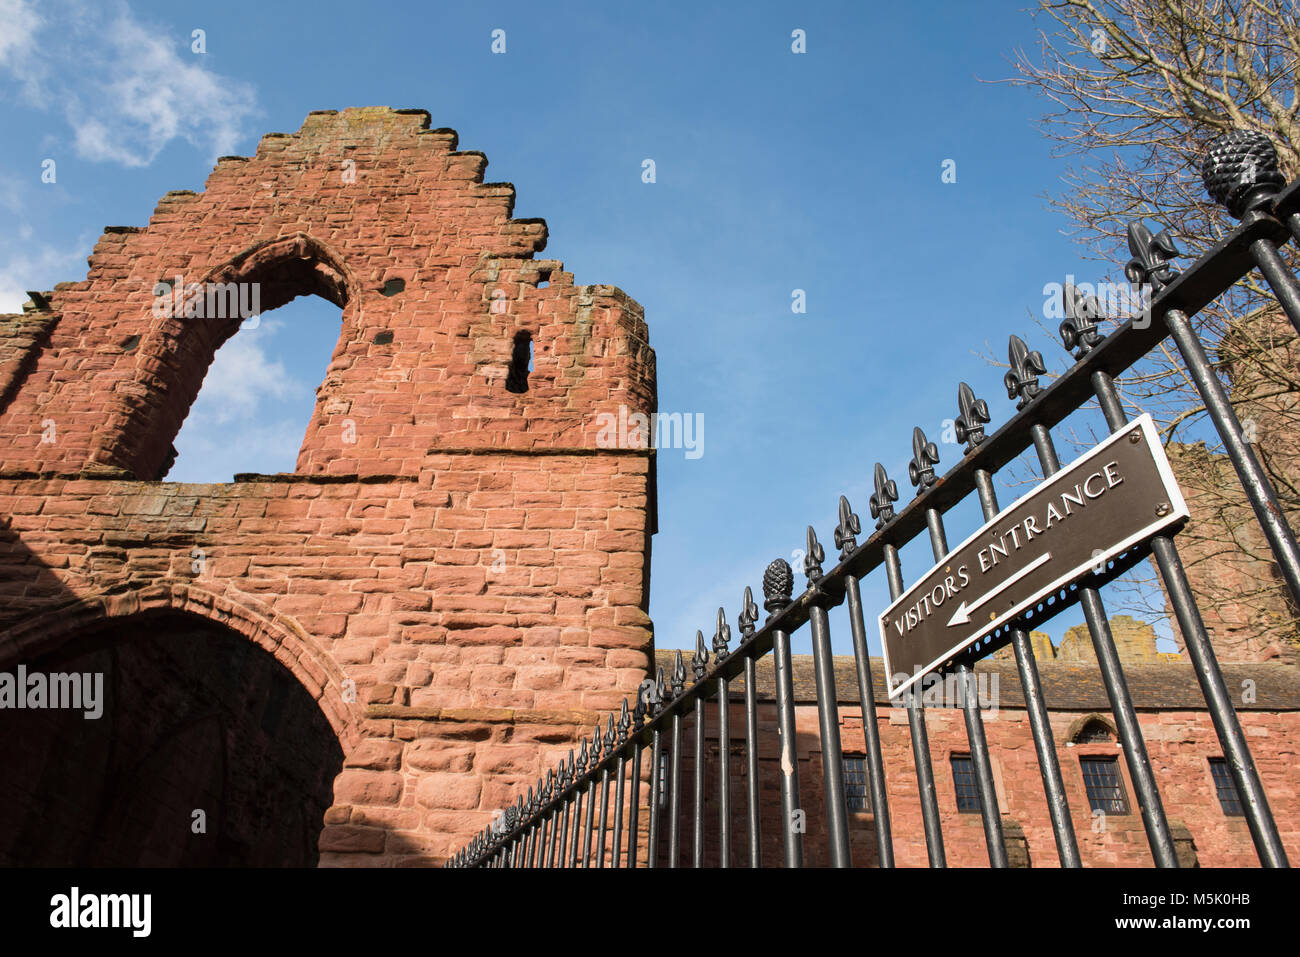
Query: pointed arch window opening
pixel 259 396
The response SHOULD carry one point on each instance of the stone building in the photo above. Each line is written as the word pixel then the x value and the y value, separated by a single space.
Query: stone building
pixel 455 572
pixel 360 662
pixel 1185 754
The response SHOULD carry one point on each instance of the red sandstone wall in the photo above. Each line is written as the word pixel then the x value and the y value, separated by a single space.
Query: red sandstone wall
pixel 472 562
pixel 116 381
pixel 1179 742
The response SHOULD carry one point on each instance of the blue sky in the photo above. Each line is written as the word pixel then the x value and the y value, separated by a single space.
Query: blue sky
pixel 775 171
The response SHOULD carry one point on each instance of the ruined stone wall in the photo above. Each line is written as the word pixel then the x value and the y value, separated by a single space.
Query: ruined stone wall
pixel 1246 606
pixel 1135 642
pixel 457 572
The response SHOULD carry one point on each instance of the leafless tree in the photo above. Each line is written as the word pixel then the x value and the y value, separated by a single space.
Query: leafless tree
pixel 1136 90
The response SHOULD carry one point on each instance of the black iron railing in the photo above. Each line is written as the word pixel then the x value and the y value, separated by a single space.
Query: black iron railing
pixel 543 828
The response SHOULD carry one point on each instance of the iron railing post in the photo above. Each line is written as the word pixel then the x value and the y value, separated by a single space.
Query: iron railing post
pixel 1259 817
pixel 778 583
pixel 675 771
pixel 699 664
pixel 748 618
pixel 656 778
pixel 925 456
pixel 828 715
pixel 969 427
pixel 846 532
pixel 1112 672
pixel 721 638
pixel 870 727
pixel 1258 489
pixel 1240 172
pixel 920 739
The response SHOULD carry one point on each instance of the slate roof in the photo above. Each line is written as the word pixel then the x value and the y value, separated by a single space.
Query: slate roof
pixel 1067 686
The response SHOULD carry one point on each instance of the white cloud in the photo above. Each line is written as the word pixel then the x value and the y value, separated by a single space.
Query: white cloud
pixel 242 376
pixel 214 455
pixel 238 423
pixel 39 269
pixel 126 88
pixel 18 24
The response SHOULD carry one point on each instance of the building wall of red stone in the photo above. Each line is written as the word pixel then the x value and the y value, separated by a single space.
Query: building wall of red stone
pixel 1179 742
pixel 457 572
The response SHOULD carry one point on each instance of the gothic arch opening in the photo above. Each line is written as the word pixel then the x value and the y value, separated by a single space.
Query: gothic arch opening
pixel 206 752
pixel 1091 729
pixel 196 315
pixel 259 397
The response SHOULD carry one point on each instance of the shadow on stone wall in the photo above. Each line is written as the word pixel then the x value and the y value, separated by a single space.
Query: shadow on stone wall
pixel 206 750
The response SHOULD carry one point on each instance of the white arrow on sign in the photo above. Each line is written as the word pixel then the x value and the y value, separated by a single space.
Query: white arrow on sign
pixel 962 615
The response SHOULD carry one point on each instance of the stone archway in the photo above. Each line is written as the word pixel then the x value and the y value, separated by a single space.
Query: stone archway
pixel 206 751
pixel 176 351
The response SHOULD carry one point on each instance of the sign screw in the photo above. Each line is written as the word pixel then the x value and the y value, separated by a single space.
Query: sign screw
pixel 1163 509
pixel 1135 437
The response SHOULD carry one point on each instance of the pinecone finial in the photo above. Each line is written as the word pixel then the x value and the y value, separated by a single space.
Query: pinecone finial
pixel 1240 171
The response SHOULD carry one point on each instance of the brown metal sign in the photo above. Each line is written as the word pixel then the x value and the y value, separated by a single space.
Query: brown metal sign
pixel 1119 494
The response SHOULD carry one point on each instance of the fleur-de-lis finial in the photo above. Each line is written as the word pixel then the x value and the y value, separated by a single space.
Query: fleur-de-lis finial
pixel 748 615
pixel 566 771
pixel 679 675
pixel 1079 329
pixel 847 530
pixel 813 558
pixel 530 805
pixel 582 757
pixel 550 783
pixel 974 415
pixel 721 637
pixel 644 692
pixel 1150 264
pixel 521 810
pixel 700 660
pixel 778 584
pixel 1026 366
pixel 596 747
pixel 624 722
pixel 660 693
pixel 1240 171
pixel 925 456
pixel 884 497
pixel 611 735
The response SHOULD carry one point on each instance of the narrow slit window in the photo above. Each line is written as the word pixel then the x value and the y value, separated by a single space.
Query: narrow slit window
pixel 521 363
